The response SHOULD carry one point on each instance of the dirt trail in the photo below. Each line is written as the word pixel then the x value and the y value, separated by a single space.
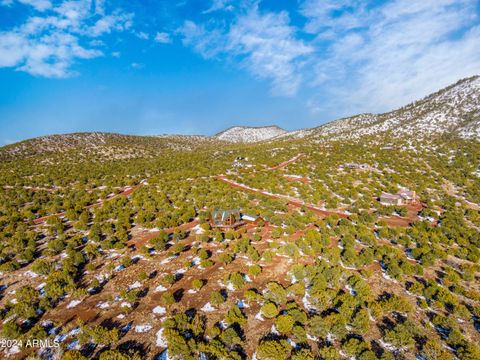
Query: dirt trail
pixel 125 193
pixel 288 162
pixel 291 200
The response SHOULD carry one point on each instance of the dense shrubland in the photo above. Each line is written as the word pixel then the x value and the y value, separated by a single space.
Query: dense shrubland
pixel 315 287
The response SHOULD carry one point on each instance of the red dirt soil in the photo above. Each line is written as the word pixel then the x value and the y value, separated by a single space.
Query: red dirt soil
pixel 300 179
pixel 412 216
pixel 288 162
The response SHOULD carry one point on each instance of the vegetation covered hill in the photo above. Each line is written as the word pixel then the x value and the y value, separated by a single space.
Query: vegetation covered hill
pixel 104 146
pixel 453 110
pixel 108 249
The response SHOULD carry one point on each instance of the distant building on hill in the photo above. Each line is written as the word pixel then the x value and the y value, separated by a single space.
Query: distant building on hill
pixel 231 219
pixel 356 166
pixel 239 162
pixel 389 147
pixel 403 197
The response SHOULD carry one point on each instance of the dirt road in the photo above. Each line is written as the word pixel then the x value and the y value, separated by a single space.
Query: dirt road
pixel 291 200
pixel 125 193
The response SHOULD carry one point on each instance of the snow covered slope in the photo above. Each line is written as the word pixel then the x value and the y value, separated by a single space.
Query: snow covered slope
pixel 453 110
pixel 250 134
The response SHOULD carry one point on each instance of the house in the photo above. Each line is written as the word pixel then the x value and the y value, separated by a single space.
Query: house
pixel 390 199
pixel 356 166
pixel 231 219
pixel 409 197
pixel 239 161
pixel 226 219
pixel 403 197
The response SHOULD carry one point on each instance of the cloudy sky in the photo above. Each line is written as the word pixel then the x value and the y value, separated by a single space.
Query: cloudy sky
pixel 199 66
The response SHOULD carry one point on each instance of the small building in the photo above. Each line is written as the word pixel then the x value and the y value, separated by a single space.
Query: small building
pixel 239 162
pixel 403 197
pixel 226 219
pixel 231 219
pixel 253 219
pixel 356 166
pixel 390 199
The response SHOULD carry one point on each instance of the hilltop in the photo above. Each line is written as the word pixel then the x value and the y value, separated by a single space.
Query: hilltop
pixel 102 145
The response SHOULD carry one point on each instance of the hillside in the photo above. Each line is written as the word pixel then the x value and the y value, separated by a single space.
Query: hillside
pixel 102 145
pixel 454 110
pixel 243 134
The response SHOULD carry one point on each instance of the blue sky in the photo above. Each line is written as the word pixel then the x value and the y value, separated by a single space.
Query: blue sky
pixel 197 67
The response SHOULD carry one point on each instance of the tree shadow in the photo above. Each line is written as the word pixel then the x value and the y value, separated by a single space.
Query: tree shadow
pixel 132 346
pixel 143 292
pixel 178 295
pixel 110 324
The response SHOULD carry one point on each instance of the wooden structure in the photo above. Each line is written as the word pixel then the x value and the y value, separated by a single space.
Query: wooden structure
pixel 231 219
pixel 403 197
pixel 226 219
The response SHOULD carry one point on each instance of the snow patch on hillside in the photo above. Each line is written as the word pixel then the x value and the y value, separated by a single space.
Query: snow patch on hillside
pixel 455 109
pixel 239 134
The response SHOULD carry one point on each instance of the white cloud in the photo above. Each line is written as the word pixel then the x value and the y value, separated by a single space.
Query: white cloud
pixel 137 65
pixel 217 5
pixel 49 45
pixel 265 44
pixel 40 5
pixel 390 55
pixel 163 38
pixel 270 48
pixel 321 14
pixel 61 48
pixel 96 43
pixel 12 47
pixel 100 7
pixel 142 35
pixel 207 42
